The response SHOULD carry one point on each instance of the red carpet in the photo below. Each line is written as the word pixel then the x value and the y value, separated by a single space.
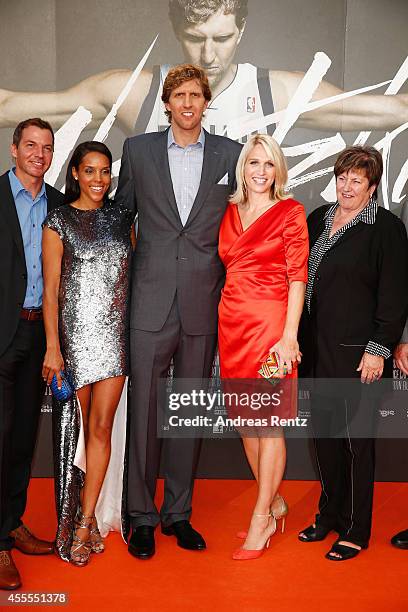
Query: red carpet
pixel 290 576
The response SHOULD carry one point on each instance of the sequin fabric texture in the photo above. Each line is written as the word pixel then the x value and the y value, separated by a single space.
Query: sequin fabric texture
pixel 68 479
pixel 93 329
pixel 93 295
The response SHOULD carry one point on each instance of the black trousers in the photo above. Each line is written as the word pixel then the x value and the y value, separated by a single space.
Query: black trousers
pixel 21 391
pixel 151 354
pixel 346 464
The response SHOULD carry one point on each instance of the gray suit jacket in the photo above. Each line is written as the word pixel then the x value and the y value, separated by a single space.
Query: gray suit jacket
pixel 170 258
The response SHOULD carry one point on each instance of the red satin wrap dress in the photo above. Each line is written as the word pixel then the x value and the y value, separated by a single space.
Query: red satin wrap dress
pixel 260 262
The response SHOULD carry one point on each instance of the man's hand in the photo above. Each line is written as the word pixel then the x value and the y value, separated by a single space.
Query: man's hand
pixel 401 357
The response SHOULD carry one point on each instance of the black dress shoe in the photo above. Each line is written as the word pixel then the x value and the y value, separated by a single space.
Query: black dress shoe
pixel 400 540
pixel 187 537
pixel 141 544
pixel 313 534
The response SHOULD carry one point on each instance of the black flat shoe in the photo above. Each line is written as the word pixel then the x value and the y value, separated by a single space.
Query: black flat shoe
pixel 187 537
pixel 141 544
pixel 345 552
pixel 313 534
pixel 400 540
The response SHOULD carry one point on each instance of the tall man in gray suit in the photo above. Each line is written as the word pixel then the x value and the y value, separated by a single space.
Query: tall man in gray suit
pixel 178 181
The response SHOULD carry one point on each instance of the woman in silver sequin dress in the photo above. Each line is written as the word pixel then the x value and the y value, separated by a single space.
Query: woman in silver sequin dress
pixel 87 246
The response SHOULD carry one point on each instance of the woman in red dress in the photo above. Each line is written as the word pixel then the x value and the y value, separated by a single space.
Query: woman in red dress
pixel 264 247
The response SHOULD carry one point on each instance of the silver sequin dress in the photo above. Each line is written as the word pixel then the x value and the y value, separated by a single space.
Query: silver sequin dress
pixel 93 329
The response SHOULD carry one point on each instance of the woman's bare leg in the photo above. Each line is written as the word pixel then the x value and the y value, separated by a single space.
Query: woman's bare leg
pixel 271 465
pixel 104 402
pixel 98 405
pixel 251 447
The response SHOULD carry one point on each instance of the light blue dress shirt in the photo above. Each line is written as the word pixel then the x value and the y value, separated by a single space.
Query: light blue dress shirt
pixel 31 213
pixel 186 164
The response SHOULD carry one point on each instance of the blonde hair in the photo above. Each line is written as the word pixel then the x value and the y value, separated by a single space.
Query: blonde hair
pixel 275 154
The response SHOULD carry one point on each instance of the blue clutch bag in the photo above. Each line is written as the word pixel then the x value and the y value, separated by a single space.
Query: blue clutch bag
pixel 67 387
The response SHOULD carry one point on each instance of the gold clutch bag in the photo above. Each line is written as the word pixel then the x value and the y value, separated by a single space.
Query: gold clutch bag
pixel 269 368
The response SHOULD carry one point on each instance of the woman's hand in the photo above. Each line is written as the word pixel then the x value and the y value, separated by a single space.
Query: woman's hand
pixel 53 364
pixel 371 368
pixel 288 354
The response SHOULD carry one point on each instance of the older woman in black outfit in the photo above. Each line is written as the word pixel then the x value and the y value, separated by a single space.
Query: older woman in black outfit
pixel 356 304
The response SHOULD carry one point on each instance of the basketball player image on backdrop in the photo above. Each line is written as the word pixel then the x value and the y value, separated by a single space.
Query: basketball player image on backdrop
pixel 209 32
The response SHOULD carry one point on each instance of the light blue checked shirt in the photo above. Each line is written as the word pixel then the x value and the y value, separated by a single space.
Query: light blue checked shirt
pixel 185 168
pixel 31 213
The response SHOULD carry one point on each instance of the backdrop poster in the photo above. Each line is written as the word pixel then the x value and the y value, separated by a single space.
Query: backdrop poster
pixel 94 69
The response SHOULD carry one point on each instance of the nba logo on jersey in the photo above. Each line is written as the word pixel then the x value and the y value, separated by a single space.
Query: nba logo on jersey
pixel 251 104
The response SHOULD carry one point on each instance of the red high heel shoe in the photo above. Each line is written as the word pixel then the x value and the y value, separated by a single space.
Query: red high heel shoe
pixel 279 510
pixel 245 554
